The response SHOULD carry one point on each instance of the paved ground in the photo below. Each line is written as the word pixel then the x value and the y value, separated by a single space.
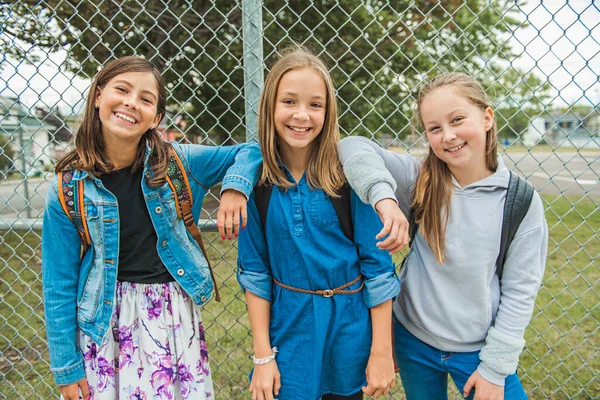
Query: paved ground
pixel 562 172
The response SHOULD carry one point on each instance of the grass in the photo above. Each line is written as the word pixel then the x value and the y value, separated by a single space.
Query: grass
pixel 561 360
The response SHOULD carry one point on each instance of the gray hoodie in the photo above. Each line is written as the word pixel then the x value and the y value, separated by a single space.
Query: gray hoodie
pixel 459 306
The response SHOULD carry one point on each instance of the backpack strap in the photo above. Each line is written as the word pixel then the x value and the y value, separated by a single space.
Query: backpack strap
pixel 262 198
pixel 518 199
pixel 344 211
pixel 70 196
pixel 179 183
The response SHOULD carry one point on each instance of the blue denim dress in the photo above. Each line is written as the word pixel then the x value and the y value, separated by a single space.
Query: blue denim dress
pixel 324 343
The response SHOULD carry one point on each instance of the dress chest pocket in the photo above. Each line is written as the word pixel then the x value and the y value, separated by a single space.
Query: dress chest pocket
pixel 321 210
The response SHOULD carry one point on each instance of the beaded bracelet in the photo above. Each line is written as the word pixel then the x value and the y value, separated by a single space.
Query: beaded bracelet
pixel 264 360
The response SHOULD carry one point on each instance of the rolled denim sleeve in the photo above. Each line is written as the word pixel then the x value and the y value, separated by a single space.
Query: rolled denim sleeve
pixel 254 269
pixel 60 276
pixel 376 266
pixel 238 167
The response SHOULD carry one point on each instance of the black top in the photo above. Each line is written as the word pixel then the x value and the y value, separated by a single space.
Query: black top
pixel 138 258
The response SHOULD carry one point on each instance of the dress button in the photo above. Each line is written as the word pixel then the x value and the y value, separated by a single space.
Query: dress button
pixel 158 210
pixel 203 299
pixel 164 243
pixel 180 272
pixel 297 211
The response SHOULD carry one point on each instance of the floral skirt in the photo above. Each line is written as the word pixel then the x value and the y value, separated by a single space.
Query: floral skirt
pixel 156 349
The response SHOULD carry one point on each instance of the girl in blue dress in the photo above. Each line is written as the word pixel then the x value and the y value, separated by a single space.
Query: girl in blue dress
pixel 308 343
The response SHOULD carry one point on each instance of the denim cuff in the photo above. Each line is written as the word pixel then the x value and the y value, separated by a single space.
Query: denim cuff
pixel 239 183
pixel 257 283
pixel 380 289
pixel 69 375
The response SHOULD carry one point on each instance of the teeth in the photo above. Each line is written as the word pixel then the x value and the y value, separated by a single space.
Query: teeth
pixel 126 118
pixel 299 129
pixel 460 146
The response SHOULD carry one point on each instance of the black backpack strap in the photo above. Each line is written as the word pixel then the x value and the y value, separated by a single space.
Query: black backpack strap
pixel 262 197
pixel 413 227
pixel 518 199
pixel 344 211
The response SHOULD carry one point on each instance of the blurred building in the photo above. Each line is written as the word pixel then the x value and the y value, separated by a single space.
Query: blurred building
pixel 576 128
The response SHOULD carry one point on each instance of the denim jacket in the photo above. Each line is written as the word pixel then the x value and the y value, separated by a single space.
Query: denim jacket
pixel 79 291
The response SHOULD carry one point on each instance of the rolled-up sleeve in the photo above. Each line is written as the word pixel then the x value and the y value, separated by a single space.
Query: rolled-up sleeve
pixel 376 266
pixel 254 269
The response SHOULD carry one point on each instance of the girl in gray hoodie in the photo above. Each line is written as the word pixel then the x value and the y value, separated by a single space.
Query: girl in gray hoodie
pixel 453 316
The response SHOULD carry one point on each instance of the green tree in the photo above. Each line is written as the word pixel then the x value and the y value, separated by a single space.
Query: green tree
pixel 378 51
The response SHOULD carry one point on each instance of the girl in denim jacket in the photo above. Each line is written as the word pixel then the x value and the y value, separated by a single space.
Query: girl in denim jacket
pixel 123 316
pixel 318 300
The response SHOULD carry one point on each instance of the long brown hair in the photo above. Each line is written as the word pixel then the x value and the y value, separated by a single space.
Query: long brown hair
pixel 433 192
pixel 89 153
pixel 323 167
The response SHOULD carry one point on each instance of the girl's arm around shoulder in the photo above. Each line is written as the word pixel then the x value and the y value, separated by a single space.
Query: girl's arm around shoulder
pixel 254 270
pixel 238 167
pixel 375 173
pixel 60 276
pixel 521 279
pixel 376 266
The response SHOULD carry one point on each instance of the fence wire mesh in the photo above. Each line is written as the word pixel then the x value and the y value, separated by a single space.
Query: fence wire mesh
pixel 213 54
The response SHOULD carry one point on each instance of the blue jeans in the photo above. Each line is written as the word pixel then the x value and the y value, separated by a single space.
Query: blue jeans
pixel 424 369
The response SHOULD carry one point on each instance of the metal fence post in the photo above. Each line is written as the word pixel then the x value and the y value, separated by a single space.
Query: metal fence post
pixel 253 63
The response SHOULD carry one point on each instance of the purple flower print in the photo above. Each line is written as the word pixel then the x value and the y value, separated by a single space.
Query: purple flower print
pixel 137 394
pixel 127 347
pixel 155 308
pixel 106 372
pixel 91 352
pixel 162 378
pixel 186 378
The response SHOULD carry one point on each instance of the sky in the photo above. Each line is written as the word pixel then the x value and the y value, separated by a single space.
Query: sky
pixel 561 44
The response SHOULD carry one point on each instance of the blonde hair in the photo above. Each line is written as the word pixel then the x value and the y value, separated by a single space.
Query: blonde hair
pixel 323 169
pixel 432 193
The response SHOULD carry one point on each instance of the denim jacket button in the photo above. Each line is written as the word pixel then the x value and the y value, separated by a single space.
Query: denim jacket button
pixel 203 299
pixel 164 243
pixel 158 210
pixel 180 272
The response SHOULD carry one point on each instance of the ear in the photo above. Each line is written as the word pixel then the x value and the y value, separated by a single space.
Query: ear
pixel 98 93
pixel 156 121
pixel 488 118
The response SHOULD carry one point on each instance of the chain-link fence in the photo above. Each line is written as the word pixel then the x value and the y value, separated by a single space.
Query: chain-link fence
pixel 213 55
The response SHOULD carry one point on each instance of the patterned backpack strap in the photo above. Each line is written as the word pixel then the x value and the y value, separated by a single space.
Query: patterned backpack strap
pixel 70 195
pixel 178 180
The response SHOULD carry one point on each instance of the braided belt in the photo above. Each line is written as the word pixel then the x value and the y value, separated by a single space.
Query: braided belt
pixel 326 292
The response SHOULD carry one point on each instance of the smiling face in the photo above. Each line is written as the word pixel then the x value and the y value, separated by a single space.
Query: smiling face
pixel 456 130
pixel 127 107
pixel 300 109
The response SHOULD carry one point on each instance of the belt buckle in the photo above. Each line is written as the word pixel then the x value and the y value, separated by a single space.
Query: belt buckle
pixel 327 293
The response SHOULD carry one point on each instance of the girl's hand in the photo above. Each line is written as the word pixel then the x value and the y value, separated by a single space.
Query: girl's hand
pixel 380 375
pixel 266 381
pixel 233 205
pixel 395 225
pixel 484 390
pixel 71 392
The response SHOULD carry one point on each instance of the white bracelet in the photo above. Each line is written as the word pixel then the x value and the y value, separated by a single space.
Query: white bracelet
pixel 261 361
